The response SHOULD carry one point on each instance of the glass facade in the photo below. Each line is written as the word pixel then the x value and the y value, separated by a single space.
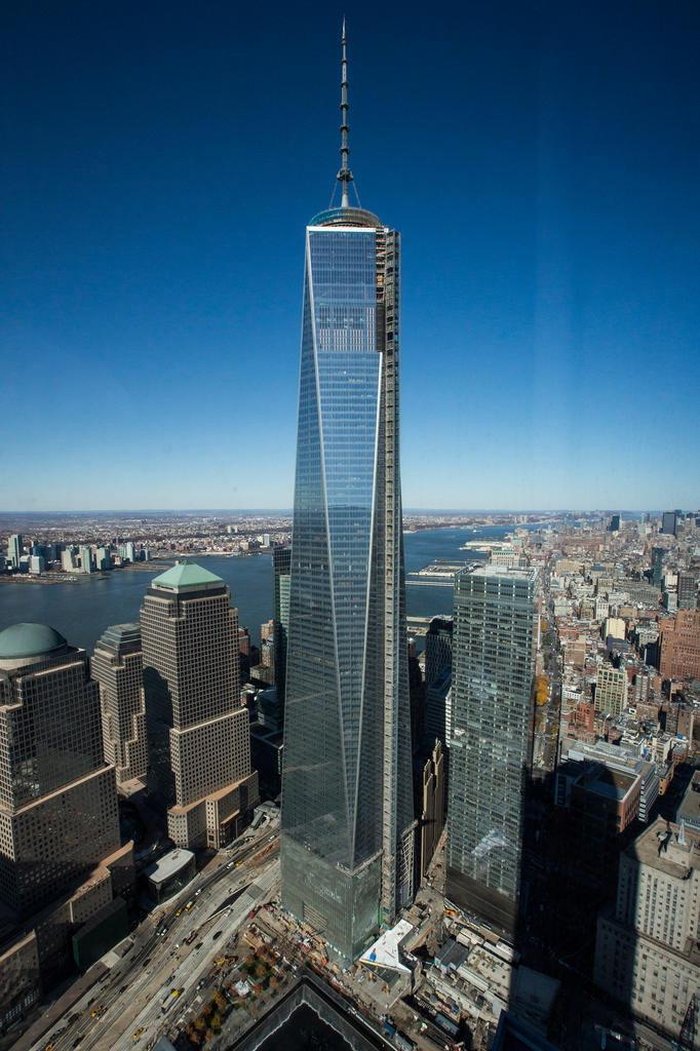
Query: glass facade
pixel 346 795
pixel 58 799
pixel 282 560
pixel 438 679
pixel 490 735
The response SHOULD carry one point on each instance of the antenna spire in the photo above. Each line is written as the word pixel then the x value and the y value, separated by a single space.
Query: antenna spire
pixel 344 174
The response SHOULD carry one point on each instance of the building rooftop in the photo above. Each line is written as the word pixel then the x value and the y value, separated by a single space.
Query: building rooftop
pixel 491 569
pixel 452 953
pixel 169 865
pixel 385 951
pixel 120 636
pixel 185 575
pixel 29 640
pixel 677 858
pixel 614 784
pixel 515 1035
pixel 347 217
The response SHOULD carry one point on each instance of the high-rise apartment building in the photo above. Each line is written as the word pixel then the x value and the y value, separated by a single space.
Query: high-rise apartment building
pixel 199 736
pixel 611 690
pixel 85 552
pixel 117 666
pixel 58 800
pixel 14 550
pixel 103 559
pixel 347 808
pixel 68 562
pixel 490 736
pixel 438 678
pixel 646 948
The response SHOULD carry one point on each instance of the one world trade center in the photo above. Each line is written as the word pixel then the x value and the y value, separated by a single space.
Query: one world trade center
pixel 347 809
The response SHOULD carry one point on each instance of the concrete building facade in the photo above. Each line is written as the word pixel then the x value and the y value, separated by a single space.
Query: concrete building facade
pixel 647 952
pixel 611 690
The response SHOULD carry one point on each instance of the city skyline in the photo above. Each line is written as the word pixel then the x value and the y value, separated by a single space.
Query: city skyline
pixel 436 770
pixel 549 205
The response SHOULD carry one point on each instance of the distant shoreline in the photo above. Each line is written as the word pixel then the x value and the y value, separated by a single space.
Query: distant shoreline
pixel 50 579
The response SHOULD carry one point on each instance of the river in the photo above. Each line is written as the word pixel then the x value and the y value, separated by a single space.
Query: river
pixel 82 609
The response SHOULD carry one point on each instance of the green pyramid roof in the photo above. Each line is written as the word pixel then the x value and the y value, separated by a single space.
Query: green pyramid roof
pixel 186 575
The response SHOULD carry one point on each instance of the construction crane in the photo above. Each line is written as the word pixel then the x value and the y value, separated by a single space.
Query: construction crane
pixel 686 1041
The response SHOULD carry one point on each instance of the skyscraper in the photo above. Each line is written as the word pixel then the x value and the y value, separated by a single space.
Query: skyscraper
pixel 58 800
pixel 14 550
pixel 117 665
pixel 687 591
pixel 347 808
pixel 199 734
pixel 669 523
pixel 490 736
pixel 282 559
pixel 657 566
pixel 438 678
pixel 85 558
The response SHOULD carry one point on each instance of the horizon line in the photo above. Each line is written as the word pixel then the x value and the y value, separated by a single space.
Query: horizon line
pixel 288 511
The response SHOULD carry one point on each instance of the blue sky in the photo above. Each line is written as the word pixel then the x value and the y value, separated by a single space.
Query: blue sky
pixel 541 160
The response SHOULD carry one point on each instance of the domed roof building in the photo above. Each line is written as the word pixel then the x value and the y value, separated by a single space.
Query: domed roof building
pixel 22 644
pixel 58 800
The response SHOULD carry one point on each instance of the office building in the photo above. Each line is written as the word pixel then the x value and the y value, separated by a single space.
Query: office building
pixel 438 678
pixel 348 830
pixel 281 558
pixel 37 564
pixel 490 736
pixel 614 524
pixel 605 789
pixel 58 800
pixel 687 591
pixel 117 667
pixel 680 645
pixel 611 690
pixel 657 567
pixel 646 946
pixel 14 550
pixel 432 805
pixel 199 737
pixel 669 523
